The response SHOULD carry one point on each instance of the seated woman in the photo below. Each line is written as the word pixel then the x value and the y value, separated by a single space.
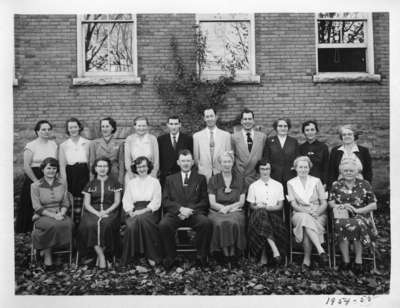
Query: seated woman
pixel 356 197
pixel 308 199
pixel 266 227
pixel 50 203
pixel 99 227
pixel 141 201
pixel 226 193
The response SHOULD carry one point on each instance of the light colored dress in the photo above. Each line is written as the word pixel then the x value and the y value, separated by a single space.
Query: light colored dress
pixel 313 193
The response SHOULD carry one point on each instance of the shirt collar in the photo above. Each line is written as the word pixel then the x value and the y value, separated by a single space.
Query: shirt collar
pixel 213 130
pixel 353 149
pixel 245 133
pixel 44 184
pixel 176 136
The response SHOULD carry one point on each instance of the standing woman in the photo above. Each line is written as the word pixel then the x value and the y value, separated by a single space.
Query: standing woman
pixel 349 149
pixel 226 193
pixel 267 231
pixel 281 150
pixel 50 202
pixel 308 199
pixel 141 143
pixel 356 197
pixel 74 157
pixel 315 150
pixel 99 227
pixel 34 153
pixel 141 201
pixel 108 146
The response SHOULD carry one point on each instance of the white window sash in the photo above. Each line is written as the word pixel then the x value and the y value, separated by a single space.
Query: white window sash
pixel 81 54
pixel 252 50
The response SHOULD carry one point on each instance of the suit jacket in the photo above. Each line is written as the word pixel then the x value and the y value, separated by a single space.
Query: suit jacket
pixel 246 161
pixel 194 195
pixel 201 150
pixel 169 155
pixel 281 158
pixel 336 157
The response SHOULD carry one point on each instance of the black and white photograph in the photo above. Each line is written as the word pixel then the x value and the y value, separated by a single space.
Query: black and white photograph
pixel 201 151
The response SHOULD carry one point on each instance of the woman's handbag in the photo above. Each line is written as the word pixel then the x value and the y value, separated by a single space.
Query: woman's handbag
pixel 340 213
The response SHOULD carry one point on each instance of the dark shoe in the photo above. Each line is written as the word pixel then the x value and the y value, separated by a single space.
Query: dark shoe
pixel 169 264
pixel 49 268
pixel 234 261
pixel 305 267
pixel 323 259
pixel 278 260
pixel 357 268
pixel 201 262
pixel 345 266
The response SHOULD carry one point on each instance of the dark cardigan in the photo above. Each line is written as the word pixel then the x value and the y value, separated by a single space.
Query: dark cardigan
pixel 336 156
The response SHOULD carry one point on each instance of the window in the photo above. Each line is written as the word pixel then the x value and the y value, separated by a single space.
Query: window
pixel 229 46
pixel 344 47
pixel 107 52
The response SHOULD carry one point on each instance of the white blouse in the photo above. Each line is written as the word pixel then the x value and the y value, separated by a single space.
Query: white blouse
pixel 139 189
pixel 270 193
pixel 75 152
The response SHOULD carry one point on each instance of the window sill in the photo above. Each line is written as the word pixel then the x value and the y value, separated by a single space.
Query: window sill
pixel 93 81
pixel 15 82
pixel 345 77
pixel 250 79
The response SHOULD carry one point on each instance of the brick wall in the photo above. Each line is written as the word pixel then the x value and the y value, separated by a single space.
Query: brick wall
pixel 45 63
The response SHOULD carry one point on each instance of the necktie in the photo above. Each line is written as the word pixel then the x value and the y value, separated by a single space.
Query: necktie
pixel 174 142
pixel 249 142
pixel 212 145
pixel 186 179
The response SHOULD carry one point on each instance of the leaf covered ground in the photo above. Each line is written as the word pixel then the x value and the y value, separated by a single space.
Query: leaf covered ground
pixel 247 279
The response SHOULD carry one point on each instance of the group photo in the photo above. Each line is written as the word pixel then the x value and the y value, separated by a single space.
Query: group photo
pixel 202 154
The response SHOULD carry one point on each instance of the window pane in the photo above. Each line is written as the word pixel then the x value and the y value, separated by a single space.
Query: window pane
pixel 227 45
pixel 108 47
pixel 347 32
pixel 121 48
pixel 341 60
pixel 120 16
pixel 95 17
pixel 344 15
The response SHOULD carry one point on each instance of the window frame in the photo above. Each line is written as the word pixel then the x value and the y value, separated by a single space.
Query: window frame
pixel 252 77
pixel 103 78
pixel 368 75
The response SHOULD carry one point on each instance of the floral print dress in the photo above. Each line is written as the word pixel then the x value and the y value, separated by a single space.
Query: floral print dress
pixel 358 227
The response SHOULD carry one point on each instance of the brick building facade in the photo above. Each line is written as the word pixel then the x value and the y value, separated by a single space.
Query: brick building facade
pixel 285 61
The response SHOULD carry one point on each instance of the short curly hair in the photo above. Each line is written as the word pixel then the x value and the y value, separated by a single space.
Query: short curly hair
pixel 39 124
pixel 262 162
pixel 302 158
pixel 110 121
pixel 349 127
pixel 107 160
pixel 73 120
pixel 50 161
pixel 287 120
pixel 138 161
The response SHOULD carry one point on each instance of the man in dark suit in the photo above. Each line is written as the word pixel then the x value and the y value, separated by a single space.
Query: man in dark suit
pixel 185 203
pixel 169 146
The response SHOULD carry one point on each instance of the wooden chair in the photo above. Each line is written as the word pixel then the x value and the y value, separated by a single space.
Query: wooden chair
pixel 62 250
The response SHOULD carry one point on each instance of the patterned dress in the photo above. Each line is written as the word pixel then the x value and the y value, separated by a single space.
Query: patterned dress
pixel 358 227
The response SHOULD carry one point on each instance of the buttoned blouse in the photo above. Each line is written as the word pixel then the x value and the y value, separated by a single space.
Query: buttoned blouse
pixel 136 146
pixel 350 155
pixel 40 151
pixel 270 192
pixel 102 192
pixel 313 191
pixel 75 152
pixel 111 149
pixel 139 189
pixel 51 197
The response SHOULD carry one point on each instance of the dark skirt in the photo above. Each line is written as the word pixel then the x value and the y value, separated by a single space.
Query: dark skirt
pixel 77 178
pixel 51 233
pixel 142 236
pixel 265 225
pixel 25 210
pixel 228 230
pixel 93 231
pixel 358 228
